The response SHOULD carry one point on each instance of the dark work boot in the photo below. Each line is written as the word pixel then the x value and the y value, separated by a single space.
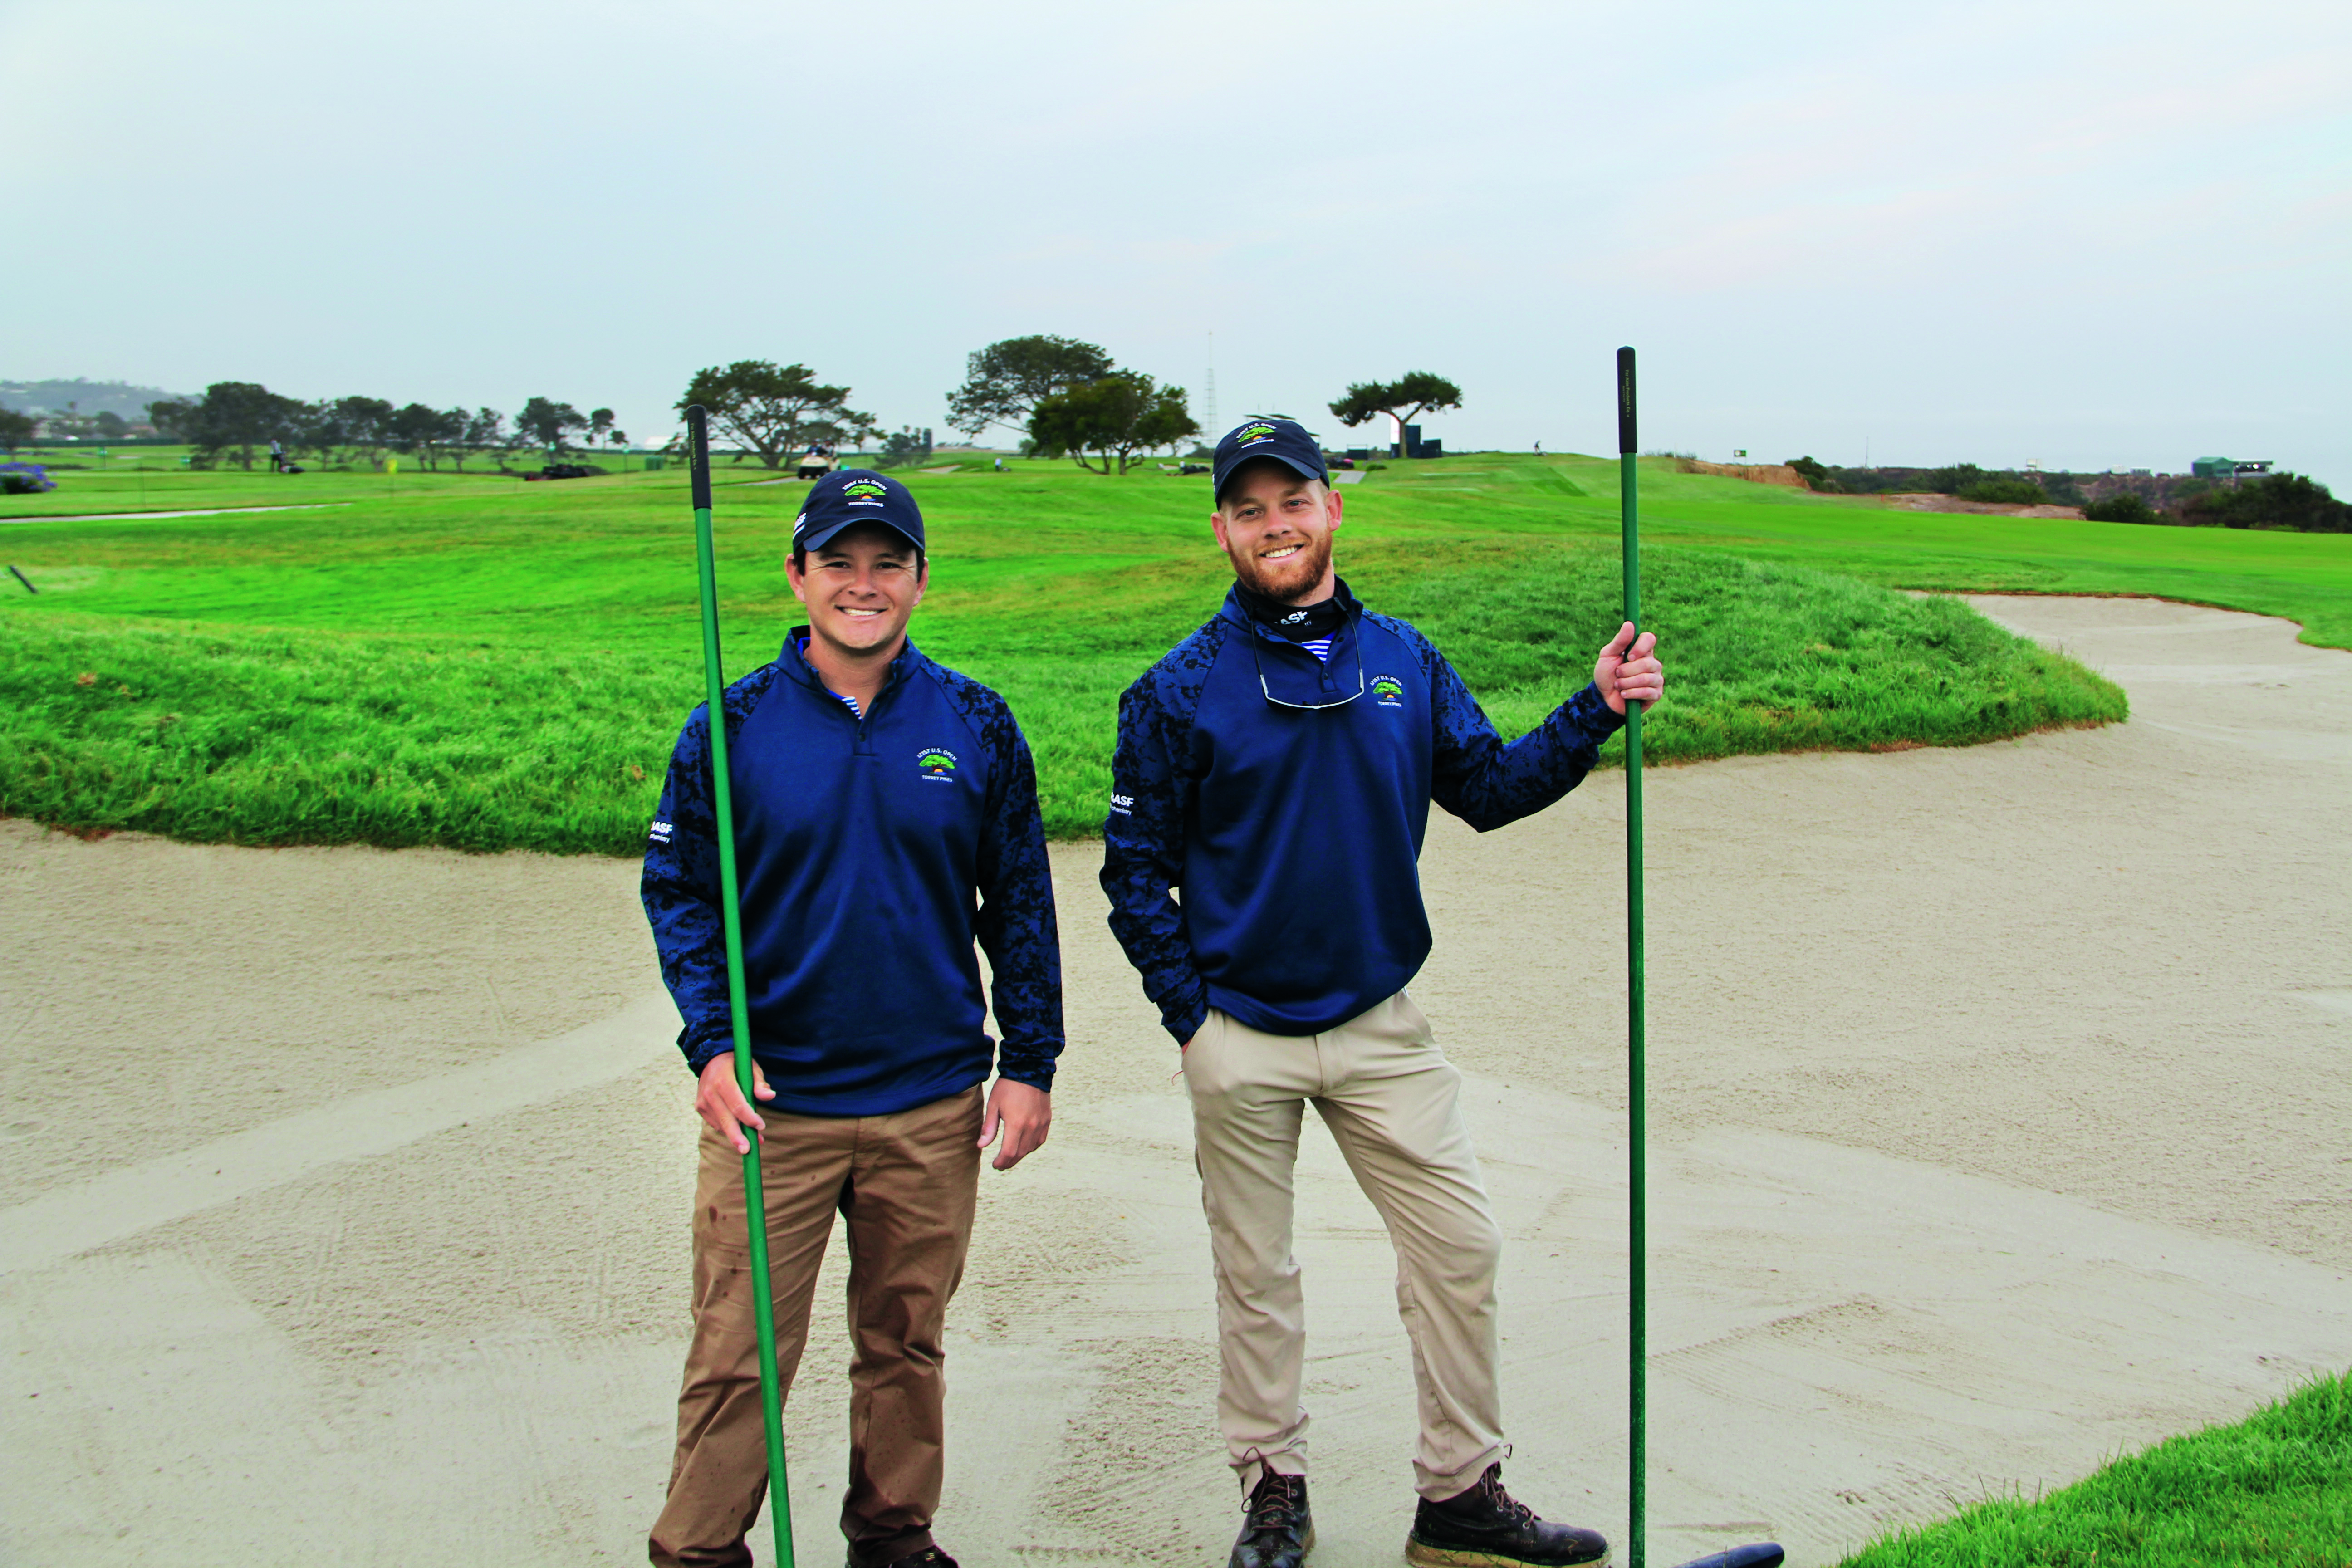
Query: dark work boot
pixel 1485 1527
pixel 1278 1532
pixel 928 1557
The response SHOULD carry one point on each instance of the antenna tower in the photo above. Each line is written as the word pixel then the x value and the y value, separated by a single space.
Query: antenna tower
pixel 1209 392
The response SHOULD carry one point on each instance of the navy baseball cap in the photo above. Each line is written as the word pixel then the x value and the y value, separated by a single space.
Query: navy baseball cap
pixel 1284 440
pixel 849 496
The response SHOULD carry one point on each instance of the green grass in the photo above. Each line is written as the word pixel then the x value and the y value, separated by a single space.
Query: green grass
pixel 480 662
pixel 2274 1490
pixel 2306 578
pixel 491 665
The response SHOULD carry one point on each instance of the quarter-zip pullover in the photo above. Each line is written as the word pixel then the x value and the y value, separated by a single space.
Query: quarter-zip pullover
pixel 1285 797
pixel 872 851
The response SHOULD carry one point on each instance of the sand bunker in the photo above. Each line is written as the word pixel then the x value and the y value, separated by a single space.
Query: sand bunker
pixel 1754 473
pixel 1931 500
pixel 1999 1098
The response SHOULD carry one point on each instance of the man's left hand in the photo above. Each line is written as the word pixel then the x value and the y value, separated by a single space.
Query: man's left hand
pixel 1629 671
pixel 1024 1112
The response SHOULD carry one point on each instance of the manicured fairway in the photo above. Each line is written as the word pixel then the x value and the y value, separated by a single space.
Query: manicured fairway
pixel 488 664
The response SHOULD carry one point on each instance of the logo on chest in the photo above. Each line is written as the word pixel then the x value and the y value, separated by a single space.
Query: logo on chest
pixel 1387 692
pixel 936 763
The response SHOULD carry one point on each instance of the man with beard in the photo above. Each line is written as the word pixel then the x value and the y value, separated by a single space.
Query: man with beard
pixel 1276 768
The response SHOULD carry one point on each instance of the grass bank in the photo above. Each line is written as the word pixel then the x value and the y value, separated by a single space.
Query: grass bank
pixel 286 736
pixel 490 664
pixel 2274 1490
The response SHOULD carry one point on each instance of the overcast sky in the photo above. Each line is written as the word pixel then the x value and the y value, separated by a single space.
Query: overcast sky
pixel 2093 235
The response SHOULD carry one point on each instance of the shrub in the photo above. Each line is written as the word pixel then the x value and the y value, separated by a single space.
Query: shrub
pixel 2006 489
pixel 25 480
pixel 1817 475
pixel 2289 501
pixel 1952 478
pixel 2125 506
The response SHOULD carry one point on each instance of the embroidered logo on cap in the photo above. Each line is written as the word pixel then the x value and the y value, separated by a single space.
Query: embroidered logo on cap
pixel 1250 434
pixel 864 492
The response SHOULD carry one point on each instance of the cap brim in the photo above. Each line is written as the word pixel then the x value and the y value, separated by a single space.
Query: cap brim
pixel 1301 469
pixel 818 538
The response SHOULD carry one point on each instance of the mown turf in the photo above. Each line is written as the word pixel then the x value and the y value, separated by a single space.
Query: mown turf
pixel 486 663
pixel 2274 1490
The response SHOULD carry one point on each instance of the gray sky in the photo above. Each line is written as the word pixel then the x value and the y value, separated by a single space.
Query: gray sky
pixel 2085 233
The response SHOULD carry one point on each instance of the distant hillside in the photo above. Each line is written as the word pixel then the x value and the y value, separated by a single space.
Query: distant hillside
pixel 91 397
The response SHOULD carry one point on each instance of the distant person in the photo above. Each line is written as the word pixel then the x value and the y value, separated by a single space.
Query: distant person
pixel 886 818
pixel 276 457
pixel 1539 448
pixel 1277 769
pixel 1000 465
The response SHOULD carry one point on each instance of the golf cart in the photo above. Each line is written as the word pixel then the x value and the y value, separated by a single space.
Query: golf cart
pixel 816 462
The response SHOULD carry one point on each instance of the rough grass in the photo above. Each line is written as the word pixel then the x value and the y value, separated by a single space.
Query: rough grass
pixel 488 664
pixel 307 735
pixel 2274 1490
pixel 1767 658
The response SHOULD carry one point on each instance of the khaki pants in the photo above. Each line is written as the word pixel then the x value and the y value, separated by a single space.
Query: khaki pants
pixel 906 1183
pixel 1392 1103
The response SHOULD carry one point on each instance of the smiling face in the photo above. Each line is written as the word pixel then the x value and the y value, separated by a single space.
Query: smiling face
pixel 1275 526
pixel 860 587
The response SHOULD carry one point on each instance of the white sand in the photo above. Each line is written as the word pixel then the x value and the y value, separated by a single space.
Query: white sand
pixel 1998 1104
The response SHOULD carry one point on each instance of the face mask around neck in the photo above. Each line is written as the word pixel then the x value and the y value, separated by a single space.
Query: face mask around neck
pixel 1297 623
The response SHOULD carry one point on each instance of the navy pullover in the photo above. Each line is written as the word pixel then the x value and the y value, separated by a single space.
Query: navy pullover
pixel 1293 833
pixel 860 842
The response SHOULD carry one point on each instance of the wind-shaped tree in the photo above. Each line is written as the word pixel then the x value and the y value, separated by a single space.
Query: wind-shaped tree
pixel 1404 400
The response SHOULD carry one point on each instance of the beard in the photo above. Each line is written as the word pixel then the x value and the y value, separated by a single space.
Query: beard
pixel 1284 580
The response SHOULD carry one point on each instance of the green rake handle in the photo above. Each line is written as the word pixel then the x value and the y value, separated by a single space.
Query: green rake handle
pixel 1638 1240
pixel 755 1201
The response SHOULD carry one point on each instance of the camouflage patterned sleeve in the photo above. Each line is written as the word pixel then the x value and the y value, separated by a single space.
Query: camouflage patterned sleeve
pixel 1016 923
pixel 1143 847
pixel 680 884
pixel 1488 783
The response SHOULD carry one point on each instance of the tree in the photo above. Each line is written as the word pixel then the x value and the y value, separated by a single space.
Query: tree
pixel 2274 500
pixel 775 410
pixel 485 431
pixel 852 430
pixel 167 414
pixel 1402 400
pixel 316 431
pixel 550 423
pixel 904 447
pixel 1115 416
pixel 109 424
pixel 364 425
pixel 15 429
pixel 600 425
pixel 1004 382
pixel 236 417
pixel 427 431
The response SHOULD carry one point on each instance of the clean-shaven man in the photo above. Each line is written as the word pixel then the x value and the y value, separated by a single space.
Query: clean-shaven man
pixel 886 820
pixel 1275 770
